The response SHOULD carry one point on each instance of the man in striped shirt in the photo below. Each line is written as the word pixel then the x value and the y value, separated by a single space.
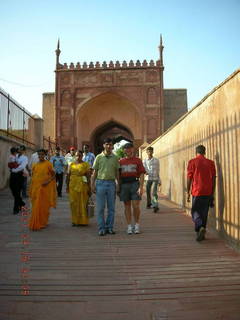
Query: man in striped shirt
pixel 152 168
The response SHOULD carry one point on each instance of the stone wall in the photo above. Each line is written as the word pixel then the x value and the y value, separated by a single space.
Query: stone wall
pixel 48 114
pixel 175 105
pixel 215 123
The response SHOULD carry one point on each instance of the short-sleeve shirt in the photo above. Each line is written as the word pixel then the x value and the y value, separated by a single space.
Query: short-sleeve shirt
pixel 59 163
pixel 89 157
pixel 202 172
pixel 106 166
pixel 131 168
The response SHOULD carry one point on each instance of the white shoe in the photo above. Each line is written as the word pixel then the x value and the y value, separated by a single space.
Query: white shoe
pixel 136 229
pixel 129 230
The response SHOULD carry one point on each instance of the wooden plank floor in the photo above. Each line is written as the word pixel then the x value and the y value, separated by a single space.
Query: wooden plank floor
pixel 162 273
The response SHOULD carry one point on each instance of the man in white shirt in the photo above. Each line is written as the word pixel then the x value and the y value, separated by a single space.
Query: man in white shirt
pixel 17 179
pixel 152 168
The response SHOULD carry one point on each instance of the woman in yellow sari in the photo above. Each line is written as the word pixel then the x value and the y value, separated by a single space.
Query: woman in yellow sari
pixel 42 192
pixel 78 186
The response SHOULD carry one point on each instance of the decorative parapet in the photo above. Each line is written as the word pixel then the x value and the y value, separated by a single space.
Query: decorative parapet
pixel 110 65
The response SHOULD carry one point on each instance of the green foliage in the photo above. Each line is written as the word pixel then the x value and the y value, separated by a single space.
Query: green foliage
pixel 119 153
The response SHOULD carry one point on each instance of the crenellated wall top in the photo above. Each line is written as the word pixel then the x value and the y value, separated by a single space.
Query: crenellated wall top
pixel 111 65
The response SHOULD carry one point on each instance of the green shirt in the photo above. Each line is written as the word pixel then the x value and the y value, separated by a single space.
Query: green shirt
pixel 106 166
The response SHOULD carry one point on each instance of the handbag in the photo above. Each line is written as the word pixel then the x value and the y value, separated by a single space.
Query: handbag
pixel 90 208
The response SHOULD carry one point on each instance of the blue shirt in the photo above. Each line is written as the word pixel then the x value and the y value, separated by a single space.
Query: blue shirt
pixel 89 157
pixel 59 163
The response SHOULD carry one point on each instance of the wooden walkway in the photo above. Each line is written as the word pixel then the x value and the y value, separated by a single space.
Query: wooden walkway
pixel 72 274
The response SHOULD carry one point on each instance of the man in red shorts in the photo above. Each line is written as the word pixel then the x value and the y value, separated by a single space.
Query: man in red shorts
pixel 201 177
pixel 131 186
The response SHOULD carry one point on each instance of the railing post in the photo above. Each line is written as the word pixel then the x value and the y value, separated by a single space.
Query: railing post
pixel 8 116
pixel 23 124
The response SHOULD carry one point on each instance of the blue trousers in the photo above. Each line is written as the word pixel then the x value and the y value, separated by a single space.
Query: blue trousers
pixel 105 194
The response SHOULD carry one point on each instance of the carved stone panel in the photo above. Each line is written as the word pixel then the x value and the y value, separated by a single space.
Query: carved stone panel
pixel 129 77
pixel 66 127
pixel 66 98
pixel 152 76
pixel 151 127
pixel 86 78
pixel 65 79
pixel 106 77
pixel 152 96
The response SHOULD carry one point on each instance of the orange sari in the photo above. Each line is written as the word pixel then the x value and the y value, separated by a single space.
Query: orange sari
pixel 42 197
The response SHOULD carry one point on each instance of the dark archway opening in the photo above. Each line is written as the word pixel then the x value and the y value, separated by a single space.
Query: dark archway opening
pixel 112 130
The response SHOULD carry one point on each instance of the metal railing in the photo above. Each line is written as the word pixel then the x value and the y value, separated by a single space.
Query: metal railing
pixel 49 145
pixel 14 119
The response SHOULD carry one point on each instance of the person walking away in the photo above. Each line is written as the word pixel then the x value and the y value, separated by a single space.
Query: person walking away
pixel 17 179
pixel 131 186
pixel 201 180
pixel 59 164
pixel 104 179
pixel 42 192
pixel 79 189
pixel 153 181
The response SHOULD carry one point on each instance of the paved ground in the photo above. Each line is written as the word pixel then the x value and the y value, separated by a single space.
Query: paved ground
pixel 162 273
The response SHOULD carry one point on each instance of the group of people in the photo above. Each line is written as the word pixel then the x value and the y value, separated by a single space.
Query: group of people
pixel 107 176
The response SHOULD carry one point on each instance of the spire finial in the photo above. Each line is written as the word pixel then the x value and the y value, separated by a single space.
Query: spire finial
pixel 161 47
pixel 58 51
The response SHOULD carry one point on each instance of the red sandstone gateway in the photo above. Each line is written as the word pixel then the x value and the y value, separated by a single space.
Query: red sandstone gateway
pixel 120 100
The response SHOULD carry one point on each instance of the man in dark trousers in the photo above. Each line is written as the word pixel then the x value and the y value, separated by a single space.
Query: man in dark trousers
pixel 201 179
pixel 59 164
pixel 17 179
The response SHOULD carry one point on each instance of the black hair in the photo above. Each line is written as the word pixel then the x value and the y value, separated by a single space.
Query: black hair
pixel 200 149
pixel 13 150
pixel 128 145
pixel 42 150
pixel 23 148
pixel 150 148
pixel 108 140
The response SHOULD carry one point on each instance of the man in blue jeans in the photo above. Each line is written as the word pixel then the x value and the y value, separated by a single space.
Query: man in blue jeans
pixel 104 178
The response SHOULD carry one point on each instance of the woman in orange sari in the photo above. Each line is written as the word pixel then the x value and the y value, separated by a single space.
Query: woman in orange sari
pixel 78 186
pixel 42 192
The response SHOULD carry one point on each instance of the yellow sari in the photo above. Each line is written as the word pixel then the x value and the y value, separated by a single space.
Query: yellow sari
pixel 42 197
pixel 78 192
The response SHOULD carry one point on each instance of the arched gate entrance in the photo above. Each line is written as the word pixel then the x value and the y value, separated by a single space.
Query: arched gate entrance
pixel 110 129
